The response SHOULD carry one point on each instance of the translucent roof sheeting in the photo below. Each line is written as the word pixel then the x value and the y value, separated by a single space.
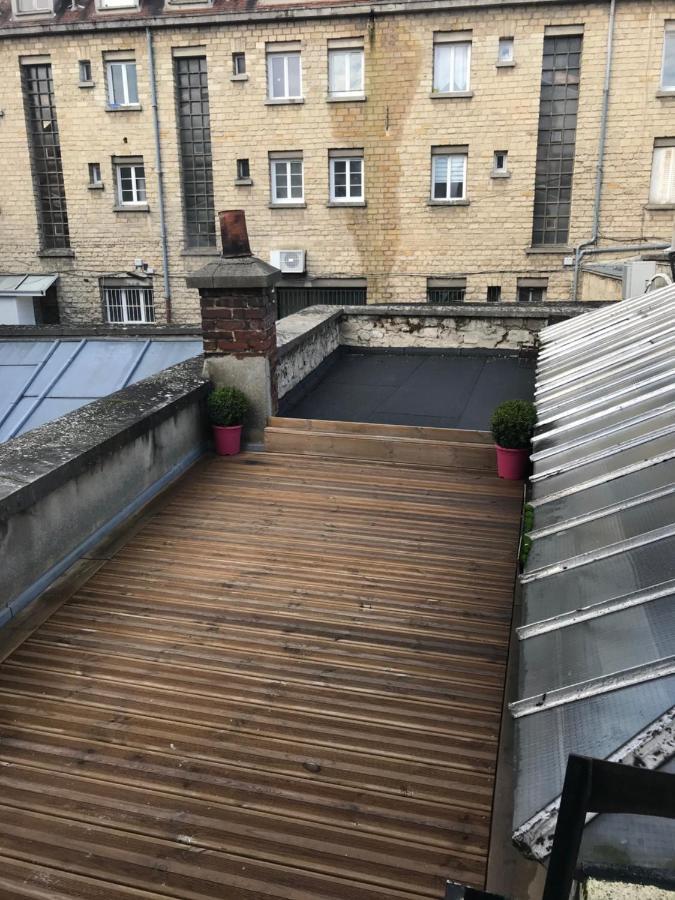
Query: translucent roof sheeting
pixel 41 380
pixel 597 636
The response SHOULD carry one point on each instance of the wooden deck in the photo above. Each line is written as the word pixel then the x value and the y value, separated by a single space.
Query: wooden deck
pixel 287 684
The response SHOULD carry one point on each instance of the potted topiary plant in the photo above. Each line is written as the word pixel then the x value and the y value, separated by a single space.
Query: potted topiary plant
pixel 227 408
pixel 512 428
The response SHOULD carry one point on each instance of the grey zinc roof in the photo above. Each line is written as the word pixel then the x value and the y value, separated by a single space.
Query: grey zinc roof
pixel 41 380
pixel 26 285
pixel 597 636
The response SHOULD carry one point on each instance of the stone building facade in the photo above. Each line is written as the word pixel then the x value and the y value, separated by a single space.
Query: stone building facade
pixel 396 240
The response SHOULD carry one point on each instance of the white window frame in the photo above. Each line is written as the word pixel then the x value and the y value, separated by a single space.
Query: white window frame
pixel 126 101
pixel 503 170
pixel 506 41
pixel 285 55
pixel 448 157
pixel 104 5
pixel 333 52
pixel 668 36
pixel 48 11
pixel 349 198
pixel 147 309
pixel 663 194
pixel 94 171
pixel 137 200
pixel 450 46
pixel 286 162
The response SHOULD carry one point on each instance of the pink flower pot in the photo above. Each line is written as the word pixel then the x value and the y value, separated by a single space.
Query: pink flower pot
pixel 227 440
pixel 512 464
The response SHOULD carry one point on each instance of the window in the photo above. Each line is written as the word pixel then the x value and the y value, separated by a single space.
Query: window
pixel 116 4
pixel 532 290
pixel 668 65
pixel 26 7
pixel 95 175
pixel 452 61
pixel 505 54
pixel 558 104
pixel 448 174
pixel 243 170
pixel 494 293
pixel 45 156
pixel 287 180
pixel 131 183
pixel 442 291
pixel 662 191
pixel 126 303
pixel 122 83
pixel 327 292
pixel 346 177
pixel 238 64
pixel 196 161
pixel 500 165
pixel 284 77
pixel 345 72
pixel 85 71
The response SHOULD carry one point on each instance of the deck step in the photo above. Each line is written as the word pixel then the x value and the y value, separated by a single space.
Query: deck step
pixel 443 447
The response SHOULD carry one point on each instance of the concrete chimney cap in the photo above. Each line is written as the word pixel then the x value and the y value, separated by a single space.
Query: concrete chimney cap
pixel 234 272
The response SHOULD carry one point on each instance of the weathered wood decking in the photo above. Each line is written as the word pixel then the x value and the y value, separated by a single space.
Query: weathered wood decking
pixel 287 685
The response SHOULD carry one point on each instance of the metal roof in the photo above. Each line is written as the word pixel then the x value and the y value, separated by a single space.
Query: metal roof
pixel 26 285
pixel 41 380
pixel 597 636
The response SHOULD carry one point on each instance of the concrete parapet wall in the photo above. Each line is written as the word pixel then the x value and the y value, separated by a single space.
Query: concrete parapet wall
pixel 304 341
pixel 65 484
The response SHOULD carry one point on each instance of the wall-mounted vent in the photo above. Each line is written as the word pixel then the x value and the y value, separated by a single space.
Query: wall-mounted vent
pixel 291 262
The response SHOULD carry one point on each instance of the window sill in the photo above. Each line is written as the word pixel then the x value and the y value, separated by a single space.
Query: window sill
pixel 660 207
pixel 64 252
pixel 500 174
pixel 132 107
pixel 550 250
pixel 448 202
pixel 506 65
pixel 345 98
pixel 286 101
pixel 243 182
pixel 33 13
pixel 242 77
pixel 451 95
pixel 139 207
pixel 86 84
pixel 96 187
pixel 287 205
pixel 338 203
pixel 200 251
pixel 666 93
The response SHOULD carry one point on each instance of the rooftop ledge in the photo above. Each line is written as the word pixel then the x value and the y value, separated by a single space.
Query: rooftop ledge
pixel 461 310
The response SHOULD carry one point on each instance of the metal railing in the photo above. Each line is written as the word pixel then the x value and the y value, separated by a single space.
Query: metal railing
pixel 292 299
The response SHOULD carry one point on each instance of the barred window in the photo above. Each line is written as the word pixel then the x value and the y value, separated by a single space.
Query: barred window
pixel 194 129
pixel 45 153
pixel 127 304
pixel 443 291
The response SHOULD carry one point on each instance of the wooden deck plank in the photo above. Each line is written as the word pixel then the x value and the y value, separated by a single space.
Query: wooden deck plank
pixel 287 684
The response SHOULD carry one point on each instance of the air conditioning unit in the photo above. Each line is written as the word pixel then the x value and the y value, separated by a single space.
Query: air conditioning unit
pixel 291 262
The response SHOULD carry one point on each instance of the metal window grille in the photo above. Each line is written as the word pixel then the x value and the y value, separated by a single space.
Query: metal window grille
pixel 441 296
pixel 558 106
pixel 194 129
pixel 292 299
pixel 129 305
pixel 45 153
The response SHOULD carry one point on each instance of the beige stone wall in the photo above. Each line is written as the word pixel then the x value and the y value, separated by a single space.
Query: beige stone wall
pixel 397 241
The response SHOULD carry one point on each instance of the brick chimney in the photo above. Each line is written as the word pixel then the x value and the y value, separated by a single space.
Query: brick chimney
pixel 238 320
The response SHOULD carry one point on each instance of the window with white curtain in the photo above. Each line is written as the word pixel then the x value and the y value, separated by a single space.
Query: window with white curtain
pixel 452 62
pixel 668 64
pixel 448 176
pixel 662 191
pixel 284 75
pixel 345 72
pixel 286 178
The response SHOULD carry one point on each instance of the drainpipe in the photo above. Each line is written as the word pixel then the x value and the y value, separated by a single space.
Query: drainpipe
pixel 601 153
pixel 160 173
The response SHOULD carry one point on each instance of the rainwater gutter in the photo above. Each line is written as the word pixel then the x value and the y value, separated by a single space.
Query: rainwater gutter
pixel 160 173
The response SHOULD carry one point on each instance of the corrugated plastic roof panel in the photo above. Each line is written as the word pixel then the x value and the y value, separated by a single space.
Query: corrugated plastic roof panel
pixel 597 638
pixel 44 379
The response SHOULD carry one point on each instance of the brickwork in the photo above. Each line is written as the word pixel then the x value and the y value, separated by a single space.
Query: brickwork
pixel 239 322
pixel 397 241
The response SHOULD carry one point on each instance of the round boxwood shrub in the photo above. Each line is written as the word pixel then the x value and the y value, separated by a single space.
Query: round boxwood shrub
pixel 227 406
pixel 513 424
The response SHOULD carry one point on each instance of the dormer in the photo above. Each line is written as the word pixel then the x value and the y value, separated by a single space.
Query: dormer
pixel 114 5
pixel 33 7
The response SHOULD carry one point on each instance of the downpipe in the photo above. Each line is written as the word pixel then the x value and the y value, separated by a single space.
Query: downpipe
pixel 160 174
